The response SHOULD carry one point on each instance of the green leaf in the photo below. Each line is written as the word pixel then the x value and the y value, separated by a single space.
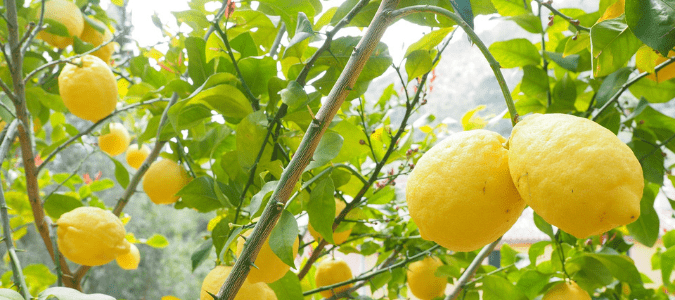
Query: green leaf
pixel 294 96
pixel 201 254
pixel 564 94
pixel 52 101
pixel 515 53
pixel 321 208
pixel 341 50
pixel 498 288
pixel 534 81
pixel 288 287
pixel 530 104
pixel 121 173
pixel 257 72
pixel 283 236
pixel 661 125
pixel 463 7
pixel 611 85
pixel 245 45
pixel 200 195
pixel 38 277
pixel 351 147
pixel 198 69
pixel 218 94
pixel 661 92
pixel 509 8
pixel 257 199
pixel 56 28
pixel 63 293
pixel 186 116
pixel 651 160
pixel 80 46
pixel 544 226
pixel 328 148
pixel 250 136
pixel 220 234
pixel 101 185
pixel 612 45
pixel 667 264
pixel 652 22
pixel 570 62
pixel 429 41
pixel 532 283
pixel 529 22
pixel 157 241
pixel 418 63
pixel 574 46
pixel 621 267
pixel 669 239
pixel 537 249
pixel 303 30
pixel 7 294
pixel 645 229
pixel 589 272
pixel 288 10
pixel 58 204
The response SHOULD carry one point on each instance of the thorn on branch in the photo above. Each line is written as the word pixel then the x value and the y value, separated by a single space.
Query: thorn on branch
pixel 253 265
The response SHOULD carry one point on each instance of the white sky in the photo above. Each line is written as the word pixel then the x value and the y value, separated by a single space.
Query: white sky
pixel 398 36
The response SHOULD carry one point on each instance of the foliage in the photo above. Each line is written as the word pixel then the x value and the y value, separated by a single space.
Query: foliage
pixel 248 81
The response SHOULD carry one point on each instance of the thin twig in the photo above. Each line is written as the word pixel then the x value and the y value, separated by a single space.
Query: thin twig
pixel 36 30
pixel 310 140
pixel 9 94
pixel 72 174
pixel 656 148
pixel 625 86
pixel 369 275
pixel 573 22
pixel 543 57
pixel 471 270
pixel 255 103
pixel 91 128
pixel 67 60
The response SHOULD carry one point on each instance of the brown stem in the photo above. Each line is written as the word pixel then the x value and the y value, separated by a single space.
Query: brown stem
pixel 306 149
pixel 27 155
pixel 471 270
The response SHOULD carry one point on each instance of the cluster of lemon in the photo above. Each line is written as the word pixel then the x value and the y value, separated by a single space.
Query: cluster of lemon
pixel 92 236
pixel 469 189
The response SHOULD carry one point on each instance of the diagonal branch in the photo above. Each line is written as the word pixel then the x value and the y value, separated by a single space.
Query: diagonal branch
pixel 626 85
pixel 255 103
pixel 311 139
pixel 471 270
pixel 90 129
pixel 573 22
pixel 33 33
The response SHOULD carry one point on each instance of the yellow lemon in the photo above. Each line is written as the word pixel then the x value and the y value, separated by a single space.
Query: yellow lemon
pixel 91 236
pixel 88 88
pixel 270 267
pixel 129 260
pixel 136 156
pixel 215 279
pixel 566 291
pixel 575 174
pixel 115 142
pixel 170 297
pixel 460 193
pixel 422 281
pixel 331 271
pixel 269 292
pixel 338 237
pixel 163 180
pixel 96 38
pixel 66 13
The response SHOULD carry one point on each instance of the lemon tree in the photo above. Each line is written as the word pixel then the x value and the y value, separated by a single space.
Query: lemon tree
pixel 282 137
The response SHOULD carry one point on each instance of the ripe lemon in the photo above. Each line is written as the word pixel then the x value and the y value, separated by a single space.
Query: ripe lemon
pixel 338 237
pixel 667 73
pixel 66 13
pixel 215 279
pixel 129 260
pixel 163 180
pixel 88 88
pixel 96 38
pixel 270 267
pixel 422 281
pixel 136 156
pixel 460 193
pixel 575 174
pixel 332 271
pixel 115 142
pixel 170 297
pixel 91 236
pixel 566 291
pixel 269 292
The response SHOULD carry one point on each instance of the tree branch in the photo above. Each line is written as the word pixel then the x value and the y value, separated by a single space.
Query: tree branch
pixel 625 86
pixel 277 40
pixel 34 31
pixel 90 129
pixel 136 179
pixel 255 103
pixel 573 22
pixel 66 60
pixel 25 140
pixel 17 271
pixel 471 270
pixel 9 94
pixel 311 139
pixel 496 68
pixel 543 57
